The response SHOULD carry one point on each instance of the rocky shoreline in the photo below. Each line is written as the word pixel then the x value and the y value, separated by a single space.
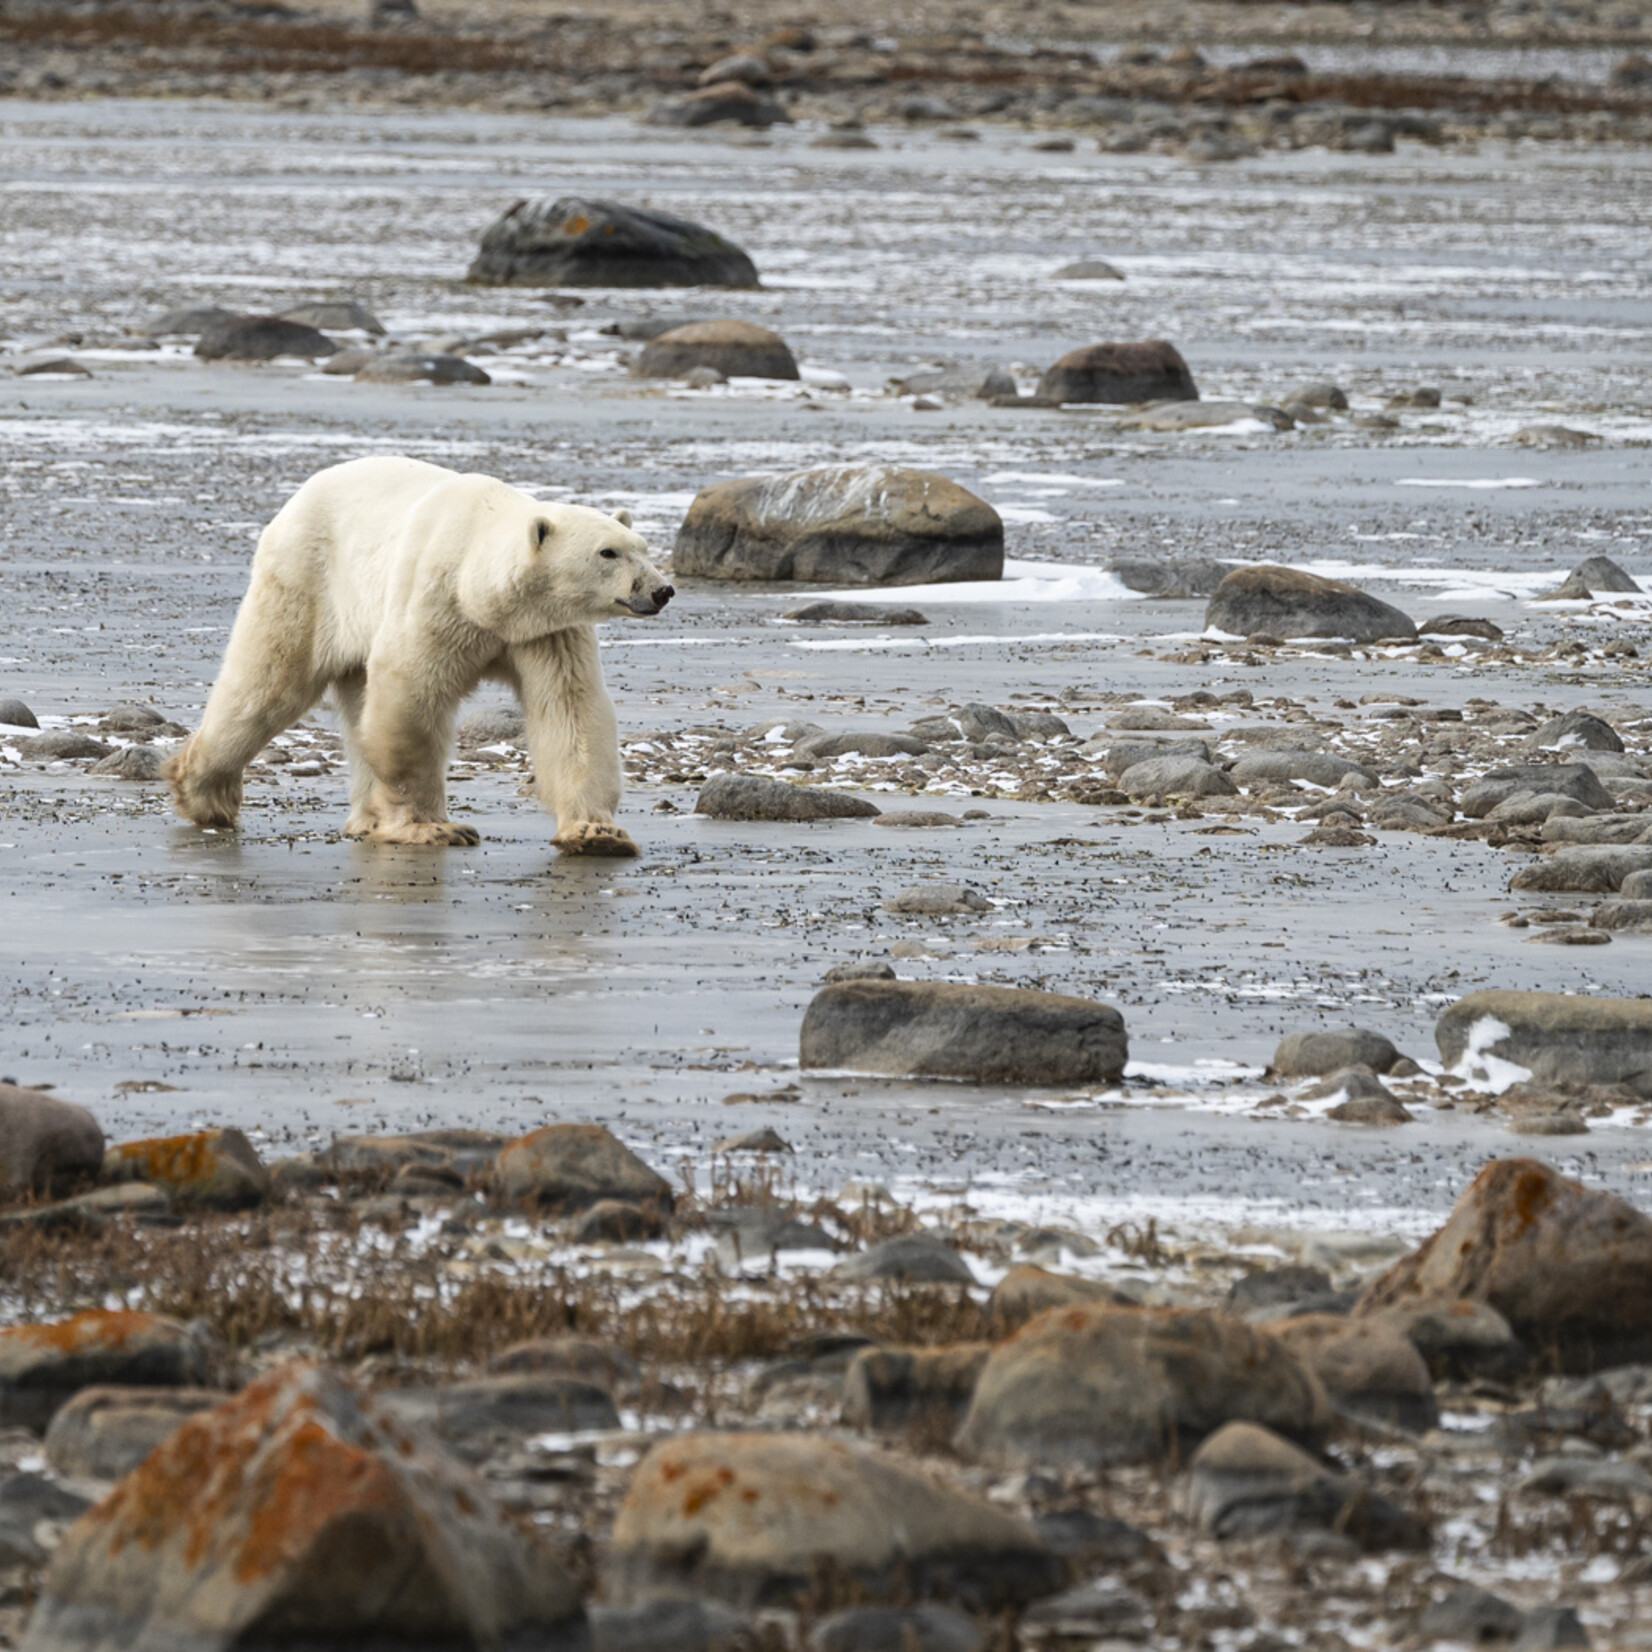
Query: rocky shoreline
pixel 1062 76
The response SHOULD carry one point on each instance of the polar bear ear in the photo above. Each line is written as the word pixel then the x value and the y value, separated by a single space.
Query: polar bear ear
pixel 623 517
pixel 541 531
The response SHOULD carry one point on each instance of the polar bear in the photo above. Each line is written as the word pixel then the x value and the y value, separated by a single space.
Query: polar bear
pixel 400 586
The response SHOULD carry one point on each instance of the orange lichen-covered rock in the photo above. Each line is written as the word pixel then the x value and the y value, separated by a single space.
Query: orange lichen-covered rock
pixel 213 1169
pixel 568 1167
pixel 747 1517
pixel 43 1366
pixel 1087 1386
pixel 294 1514
pixel 1568 1266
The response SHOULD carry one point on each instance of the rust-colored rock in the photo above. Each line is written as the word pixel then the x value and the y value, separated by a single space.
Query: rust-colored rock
pixel 749 1518
pixel 211 1169
pixel 1569 1267
pixel 1085 1387
pixel 291 1515
pixel 569 1167
pixel 42 1366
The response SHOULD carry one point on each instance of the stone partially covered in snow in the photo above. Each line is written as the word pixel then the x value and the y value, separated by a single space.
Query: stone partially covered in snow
pixel 294 1514
pixel 841 524
pixel 1269 601
pixel 940 1029
pixel 575 242
pixel 1569 1267
pixel 747 1517
pixel 1559 1038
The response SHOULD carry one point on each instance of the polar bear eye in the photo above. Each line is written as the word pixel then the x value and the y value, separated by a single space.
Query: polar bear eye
pixel 610 553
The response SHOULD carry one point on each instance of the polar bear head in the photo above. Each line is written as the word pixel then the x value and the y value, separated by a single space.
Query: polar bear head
pixel 538 567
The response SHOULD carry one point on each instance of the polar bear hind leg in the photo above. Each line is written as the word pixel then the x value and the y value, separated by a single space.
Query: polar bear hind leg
pixel 259 692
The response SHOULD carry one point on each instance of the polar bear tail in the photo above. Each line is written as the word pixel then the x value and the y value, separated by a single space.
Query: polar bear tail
pixel 198 793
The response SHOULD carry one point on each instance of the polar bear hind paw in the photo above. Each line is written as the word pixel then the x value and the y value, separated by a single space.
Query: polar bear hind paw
pixel 441 833
pixel 592 837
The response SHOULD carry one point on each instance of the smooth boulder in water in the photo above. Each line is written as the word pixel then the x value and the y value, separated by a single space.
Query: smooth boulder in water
pixel 841 524
pixel 261 338
pixel 574 242
pixel 1269 601
pixel 1149 371
pixel 736 349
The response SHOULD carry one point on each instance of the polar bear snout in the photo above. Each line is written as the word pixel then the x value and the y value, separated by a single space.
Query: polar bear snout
pixel 648 601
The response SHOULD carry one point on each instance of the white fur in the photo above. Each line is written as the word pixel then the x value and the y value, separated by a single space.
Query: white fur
pixel 401 586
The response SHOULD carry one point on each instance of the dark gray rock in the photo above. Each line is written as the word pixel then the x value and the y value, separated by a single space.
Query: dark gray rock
pixel 575 242
pixel 1635 916
pixel 1584 868
pixel 977 722
pixel 842 524
pixel 1276 1289
pixel 756 797
pixel 1318 1054
pixel 1087 269
pixel 1459 1339
pixel 854 613
pixel 474 1419
pixel 186 322
pixel 63 744
pixel 915 1258
pixel 46 1144
pixel 25 1501
pixel 893 1390
pixel 104 1433
pixel 1172 578
pixel 1575 728
pixel 670 1626
pixel 1460 625
pixel 1318 768
pixel 1470 1615
pixel 131 763
pixel 1099 1612
pixel 1175 777
pixel 726 102
pixel 1150 371
pixel 1561 1038
pixel 867 969
pixel 1269 601
pixel 930 1029
pixel 55 367
pixel 344 314
pixel 497 725
pixel 897 1629
pixel 1549 1628
pixel 1575 780
pixel 261 338
pixel 1594 576
pixel 15 714
pixel 413 367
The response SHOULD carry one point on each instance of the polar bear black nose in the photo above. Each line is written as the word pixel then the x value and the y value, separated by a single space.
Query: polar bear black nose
pixel 663 595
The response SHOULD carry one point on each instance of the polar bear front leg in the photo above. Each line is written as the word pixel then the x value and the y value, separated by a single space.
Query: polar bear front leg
pixel 573 739
pixel 398 729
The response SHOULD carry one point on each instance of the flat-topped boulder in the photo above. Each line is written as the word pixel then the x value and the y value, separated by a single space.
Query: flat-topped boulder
pixel 736 349
pixel 842 525
pixel 574 241
pixel 1151 370
pixel 747 1517
pixel 944 1029
pixel 1556 1037
pixel 1568 1266
pixel 1269 601
pixel 261 338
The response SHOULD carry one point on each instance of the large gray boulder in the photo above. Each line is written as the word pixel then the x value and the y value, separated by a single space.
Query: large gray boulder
pixel 1170 578
pixel 1559 1038
pixel 746 1518
pixel 1584 868
pixel 1087 1387
pixel 562 1168
pixel 1569 1267
pixel 843 525
pixel 577 242
pixel 1318 768
pixel 261 338
pixel 760 797
pixel 1574 780
pixel 45 1144
pixel 1149 371
pixel 298 1514
pixel 1319 1054
pixel 1175 777
pixel 1269 601
pixel 943 1029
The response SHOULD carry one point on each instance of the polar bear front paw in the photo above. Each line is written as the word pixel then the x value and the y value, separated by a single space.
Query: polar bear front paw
pixel 591 837
pixel 444 833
